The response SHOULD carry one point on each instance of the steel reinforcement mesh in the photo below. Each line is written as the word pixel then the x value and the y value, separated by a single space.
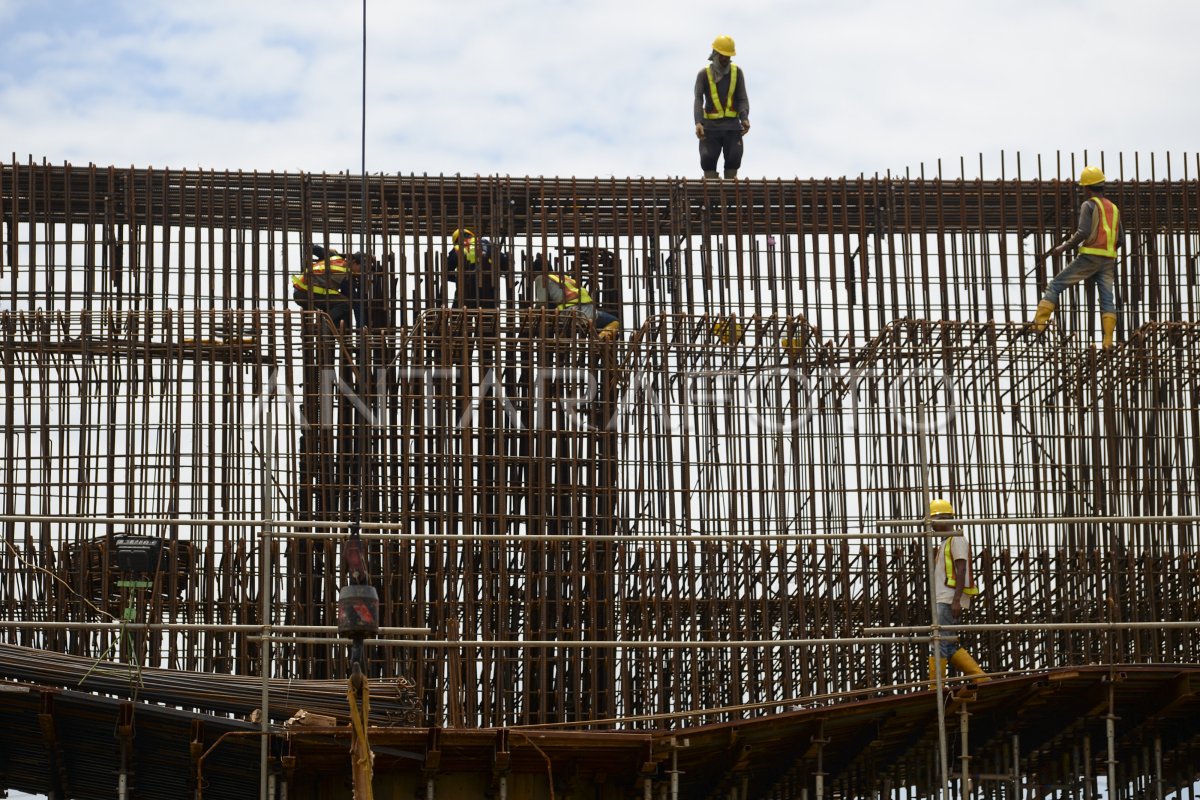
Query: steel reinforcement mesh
pixel 687 523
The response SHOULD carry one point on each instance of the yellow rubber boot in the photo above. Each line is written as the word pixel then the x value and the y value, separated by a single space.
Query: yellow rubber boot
pixel 963 662
pixel 609 332
pixel 1041 317
pixel 1108 322
pixel 933 672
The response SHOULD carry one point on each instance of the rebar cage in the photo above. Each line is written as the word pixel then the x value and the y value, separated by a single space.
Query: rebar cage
pixel 682 524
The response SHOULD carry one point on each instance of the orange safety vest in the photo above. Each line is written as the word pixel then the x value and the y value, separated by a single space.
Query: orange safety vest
pixel 721 111
pixel 951 581
pixel 1103 241
pixel 323 277
pixel 573 293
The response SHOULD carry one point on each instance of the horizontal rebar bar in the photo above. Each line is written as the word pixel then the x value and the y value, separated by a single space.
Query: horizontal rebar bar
pixel 980 627
pixel 191 626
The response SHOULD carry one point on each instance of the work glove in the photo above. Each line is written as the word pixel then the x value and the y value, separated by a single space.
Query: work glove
pixel 699 130
pixel 745 126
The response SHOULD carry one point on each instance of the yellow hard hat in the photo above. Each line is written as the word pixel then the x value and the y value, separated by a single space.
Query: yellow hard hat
pixel 792 347
pixel 939 507
pixel 724 45
pixel 462 232
pixel 1091 176
pixel 728 331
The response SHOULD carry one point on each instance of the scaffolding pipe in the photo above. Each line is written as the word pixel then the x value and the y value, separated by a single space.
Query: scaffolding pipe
pixel 192 626
pixel 964 759
pixel 819 774
pixel 1158 770
pixel 927 545
pixel 259 522
pixel 1032 626
pixel 1152 518
pixel 1016 766
pixel 674 772
pixel 1089 780
pixel 1110 727
pixel 268 600
pixel 491 644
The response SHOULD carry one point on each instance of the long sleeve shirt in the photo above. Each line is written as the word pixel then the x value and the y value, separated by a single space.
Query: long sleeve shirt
pixel 703 100
pixel 1089 221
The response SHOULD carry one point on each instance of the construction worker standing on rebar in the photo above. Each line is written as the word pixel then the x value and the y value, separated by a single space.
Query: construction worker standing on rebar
pixel 954 586
pixel 721 110
pixel 1100 233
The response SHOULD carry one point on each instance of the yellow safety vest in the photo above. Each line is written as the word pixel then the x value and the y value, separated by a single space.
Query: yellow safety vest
pixel 721 111
pixel 1104 241
pixel 323 277
pixel 573 293
pixel 951 581
pixel 468 252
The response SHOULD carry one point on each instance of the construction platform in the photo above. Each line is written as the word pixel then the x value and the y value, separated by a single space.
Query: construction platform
pixel 1046 729
pixel 688 563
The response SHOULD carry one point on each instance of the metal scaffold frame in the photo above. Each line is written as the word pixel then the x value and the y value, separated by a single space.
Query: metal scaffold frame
pixel 715 520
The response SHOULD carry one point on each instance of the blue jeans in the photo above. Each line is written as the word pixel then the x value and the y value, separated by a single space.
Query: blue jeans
pixel 949 642
pixel 604 319
pixel 1098 270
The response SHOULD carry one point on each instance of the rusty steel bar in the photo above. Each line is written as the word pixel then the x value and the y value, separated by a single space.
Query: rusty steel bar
pixel 738 469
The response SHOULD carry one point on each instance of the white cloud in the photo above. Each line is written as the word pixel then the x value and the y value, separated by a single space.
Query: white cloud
pixel 570 87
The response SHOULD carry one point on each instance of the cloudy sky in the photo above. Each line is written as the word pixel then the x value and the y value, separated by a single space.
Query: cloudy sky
pixel 577 87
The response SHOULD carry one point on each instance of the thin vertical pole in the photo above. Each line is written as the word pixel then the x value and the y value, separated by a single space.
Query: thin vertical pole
pixel 1016 765
pixel 265 593
pixel 1110 725
pixel 964 769
pixel 923 462
pixel 1158 771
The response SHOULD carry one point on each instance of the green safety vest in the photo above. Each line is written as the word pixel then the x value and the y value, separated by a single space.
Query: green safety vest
pixel 970 588
pixel 323 277
pixel 573 293
pixel 726 110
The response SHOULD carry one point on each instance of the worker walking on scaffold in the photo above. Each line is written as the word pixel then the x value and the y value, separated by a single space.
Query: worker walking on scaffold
pixel 954 586
pixel 1100 233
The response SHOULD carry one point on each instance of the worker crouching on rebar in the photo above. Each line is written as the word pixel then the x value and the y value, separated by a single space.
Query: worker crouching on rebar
pixel 473 265
pixel 561 292
pixel 326 284
pixel 1100 233
pixel 954 586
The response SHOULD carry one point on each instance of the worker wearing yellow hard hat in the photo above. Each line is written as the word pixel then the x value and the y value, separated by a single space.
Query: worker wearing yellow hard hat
pixel 729 331
pixel 475 268
pixel 721 109
pixel 953 587
pixel 1098 236
pixel 326 284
